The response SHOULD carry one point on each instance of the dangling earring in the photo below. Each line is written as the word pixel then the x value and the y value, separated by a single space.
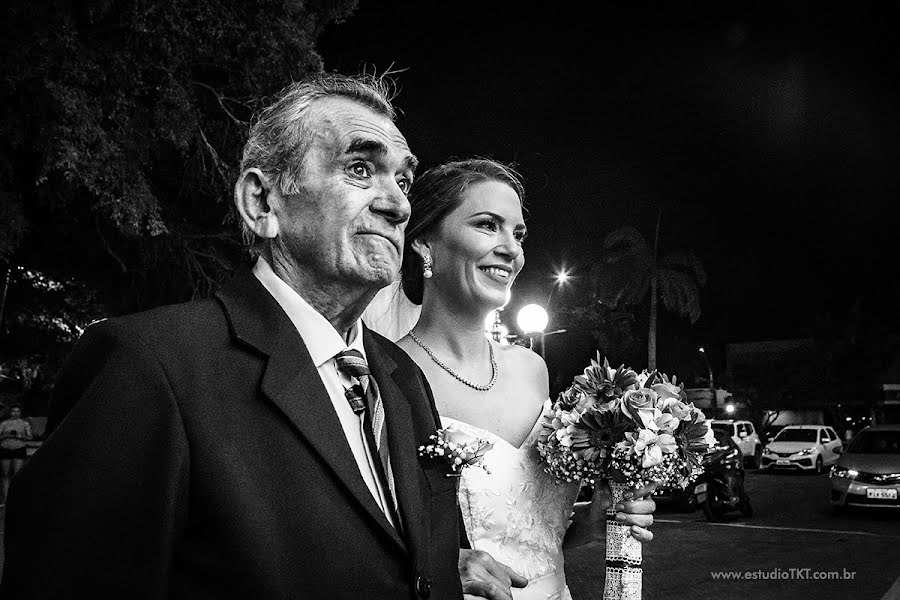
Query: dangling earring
pixel 426 267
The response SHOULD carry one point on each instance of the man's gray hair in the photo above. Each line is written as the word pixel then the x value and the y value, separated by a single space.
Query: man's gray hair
pixel 279 136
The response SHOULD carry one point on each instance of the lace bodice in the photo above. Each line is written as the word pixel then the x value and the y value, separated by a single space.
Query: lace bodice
pixel 517 512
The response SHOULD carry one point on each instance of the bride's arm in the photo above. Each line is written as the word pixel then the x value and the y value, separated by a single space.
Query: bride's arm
pixel 589 518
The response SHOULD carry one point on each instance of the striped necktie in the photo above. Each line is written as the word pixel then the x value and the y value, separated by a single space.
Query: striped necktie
pixel 365 400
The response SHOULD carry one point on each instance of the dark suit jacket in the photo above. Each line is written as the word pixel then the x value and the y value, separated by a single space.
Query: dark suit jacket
pixel 196 454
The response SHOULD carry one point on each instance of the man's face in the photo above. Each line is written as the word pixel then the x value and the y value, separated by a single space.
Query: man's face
pixel 346 223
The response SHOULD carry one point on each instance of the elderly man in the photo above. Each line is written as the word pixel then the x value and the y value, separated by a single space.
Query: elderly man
pixel 261 444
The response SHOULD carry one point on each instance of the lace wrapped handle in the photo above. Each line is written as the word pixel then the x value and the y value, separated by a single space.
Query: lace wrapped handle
pixel 623 554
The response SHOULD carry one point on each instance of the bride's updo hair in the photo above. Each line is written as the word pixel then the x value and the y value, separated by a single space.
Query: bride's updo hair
pixel 436 194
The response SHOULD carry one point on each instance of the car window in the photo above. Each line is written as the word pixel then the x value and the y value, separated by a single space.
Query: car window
pixel 722 434
pixel 796 435
pixel 823 436
pixel 720 428
pixel 832 433
pixel 750 430
pixel 876 442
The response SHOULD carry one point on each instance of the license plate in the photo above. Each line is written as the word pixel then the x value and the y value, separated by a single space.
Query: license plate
pixel 699 488
pixel 782 461
pixel 882 494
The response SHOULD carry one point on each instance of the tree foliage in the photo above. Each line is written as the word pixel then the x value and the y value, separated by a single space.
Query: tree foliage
pixel 120 138
pixel 630 270
pixel 122 129
pixel 613 329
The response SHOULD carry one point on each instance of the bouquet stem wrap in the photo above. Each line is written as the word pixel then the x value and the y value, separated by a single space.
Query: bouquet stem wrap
pixel 623 554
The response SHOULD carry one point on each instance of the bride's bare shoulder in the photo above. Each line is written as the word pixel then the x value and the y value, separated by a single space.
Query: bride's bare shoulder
pixel 524 362
pixel 521 354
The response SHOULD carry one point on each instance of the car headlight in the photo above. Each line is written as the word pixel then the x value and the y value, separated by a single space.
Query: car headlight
pixel 806 452
pixel 842 472
pixel 767 452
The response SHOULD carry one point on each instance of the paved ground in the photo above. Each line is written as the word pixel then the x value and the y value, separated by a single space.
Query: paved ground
pixel 792 528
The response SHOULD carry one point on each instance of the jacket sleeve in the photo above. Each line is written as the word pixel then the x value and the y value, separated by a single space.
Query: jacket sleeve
pixel 95 510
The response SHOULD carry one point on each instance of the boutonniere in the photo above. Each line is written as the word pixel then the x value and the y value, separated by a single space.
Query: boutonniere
pixel 458 448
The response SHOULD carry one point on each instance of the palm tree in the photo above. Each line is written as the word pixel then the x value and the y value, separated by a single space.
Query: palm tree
pixel 629 269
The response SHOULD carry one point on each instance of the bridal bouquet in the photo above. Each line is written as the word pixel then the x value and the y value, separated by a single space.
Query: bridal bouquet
pixel 632 429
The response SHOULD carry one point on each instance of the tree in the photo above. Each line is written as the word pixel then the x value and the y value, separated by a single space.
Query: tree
pixel 50 317
pixel 629 270
pixel 122 129
pixel 120 138
pixel 611 328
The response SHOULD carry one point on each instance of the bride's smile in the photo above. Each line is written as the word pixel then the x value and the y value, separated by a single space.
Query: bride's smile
pixel 477 250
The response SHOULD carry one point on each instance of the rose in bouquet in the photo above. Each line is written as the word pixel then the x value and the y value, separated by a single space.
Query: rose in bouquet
pixel 631 429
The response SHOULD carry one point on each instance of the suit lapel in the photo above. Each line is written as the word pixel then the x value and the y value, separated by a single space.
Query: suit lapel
pixel 292 382
pixel 401 442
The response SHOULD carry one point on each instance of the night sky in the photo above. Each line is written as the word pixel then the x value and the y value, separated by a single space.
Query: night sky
pixel 769 139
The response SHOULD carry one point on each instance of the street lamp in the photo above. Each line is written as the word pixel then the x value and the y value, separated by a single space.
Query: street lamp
pixel 561 278
pixel 495 329
pixel 712 384
pixel 533 319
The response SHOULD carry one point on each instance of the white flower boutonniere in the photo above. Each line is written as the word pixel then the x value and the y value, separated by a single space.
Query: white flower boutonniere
pixel 458 448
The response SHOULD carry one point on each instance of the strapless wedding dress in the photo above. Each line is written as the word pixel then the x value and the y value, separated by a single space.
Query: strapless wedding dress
pixel 517 512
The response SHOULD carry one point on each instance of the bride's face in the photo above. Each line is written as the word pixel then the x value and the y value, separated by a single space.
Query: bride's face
pixel 477 251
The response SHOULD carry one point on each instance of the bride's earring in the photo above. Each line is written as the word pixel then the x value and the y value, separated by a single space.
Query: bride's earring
pixel 426 267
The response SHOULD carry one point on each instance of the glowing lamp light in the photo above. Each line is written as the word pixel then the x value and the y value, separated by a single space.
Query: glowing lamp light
pixel 562 277
pixel 729 408
pixel 532 318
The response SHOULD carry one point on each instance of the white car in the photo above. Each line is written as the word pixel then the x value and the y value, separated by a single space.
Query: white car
pixel 744 435
pixel 805 447
pixel 868 473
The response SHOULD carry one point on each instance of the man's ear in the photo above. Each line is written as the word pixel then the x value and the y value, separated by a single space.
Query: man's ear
pixel 421 247
pixel 252 199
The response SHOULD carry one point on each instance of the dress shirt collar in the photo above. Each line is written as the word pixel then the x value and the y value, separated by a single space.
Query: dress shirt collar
pixel 321 338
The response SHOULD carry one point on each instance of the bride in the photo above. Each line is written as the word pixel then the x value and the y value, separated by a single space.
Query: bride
pixel 463 251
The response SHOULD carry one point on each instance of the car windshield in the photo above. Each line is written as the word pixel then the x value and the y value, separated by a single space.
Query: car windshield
pixel 876 442
pixel 722 434
pixel 721 430
pixel 797 435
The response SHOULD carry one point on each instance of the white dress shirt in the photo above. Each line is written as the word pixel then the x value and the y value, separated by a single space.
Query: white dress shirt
pixel 324 343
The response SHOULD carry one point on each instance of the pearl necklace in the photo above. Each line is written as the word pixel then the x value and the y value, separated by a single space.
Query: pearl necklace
pixel 495 370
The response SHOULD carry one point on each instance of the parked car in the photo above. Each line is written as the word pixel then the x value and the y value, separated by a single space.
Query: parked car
pixel 744 435
pixel 868 473
pixel 804 447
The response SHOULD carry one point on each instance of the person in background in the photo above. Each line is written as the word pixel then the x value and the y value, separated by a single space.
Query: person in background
pixel 15 432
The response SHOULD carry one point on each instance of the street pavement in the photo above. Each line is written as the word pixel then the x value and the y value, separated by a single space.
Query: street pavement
pixel 792 536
